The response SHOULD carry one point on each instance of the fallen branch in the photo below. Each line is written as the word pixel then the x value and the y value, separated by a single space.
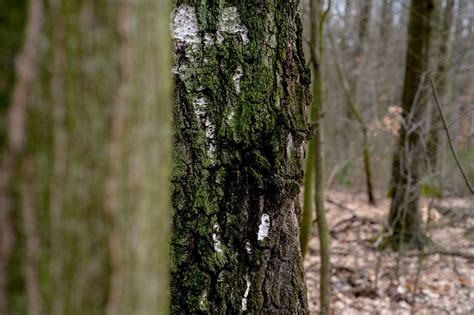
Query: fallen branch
pixel 450 141
pixel 442 251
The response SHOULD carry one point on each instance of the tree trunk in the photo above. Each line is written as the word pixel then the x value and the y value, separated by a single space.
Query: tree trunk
pixel 25 75
pixel 364 23
pixel 404 216
pixel 94 223
pixel 242 91
pixel 353 110
pixel 315 159
pixel 443 64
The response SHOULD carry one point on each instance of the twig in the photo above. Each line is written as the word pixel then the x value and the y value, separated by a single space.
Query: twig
pixel 442 251
pixel 450 141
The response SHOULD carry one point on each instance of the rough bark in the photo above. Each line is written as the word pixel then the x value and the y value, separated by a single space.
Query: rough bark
pixel 241 96
pixel 404 216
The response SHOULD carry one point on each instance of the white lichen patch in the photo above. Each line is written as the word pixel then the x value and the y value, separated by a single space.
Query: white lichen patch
pixel 229 22
pixel 264 227
pixel 208 39
pixel 236 78
pixel 203 303
pixel 184 28
pixel 210 129
pixel 200 104
pixel 230 117
pixel 248 247
pixel 289 145
pixel 215 239
pixel 246 294
pixel 200 107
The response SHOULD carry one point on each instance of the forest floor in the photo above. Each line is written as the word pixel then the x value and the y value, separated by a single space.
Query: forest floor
pixel 368 281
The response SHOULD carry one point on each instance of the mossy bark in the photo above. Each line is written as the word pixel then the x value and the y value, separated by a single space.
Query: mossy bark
pixel 241 96
pixel 96 59
pixel 404 216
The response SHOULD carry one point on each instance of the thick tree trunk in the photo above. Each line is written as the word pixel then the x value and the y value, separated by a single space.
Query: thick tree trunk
pixel 404 216
pixel 96 222
pixel 242 91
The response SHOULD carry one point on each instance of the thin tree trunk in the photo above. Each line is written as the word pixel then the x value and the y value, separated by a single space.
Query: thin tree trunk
pixel 242 91
pixel 404 216
pixel 315 159
pixel 364 23
pixel 354 111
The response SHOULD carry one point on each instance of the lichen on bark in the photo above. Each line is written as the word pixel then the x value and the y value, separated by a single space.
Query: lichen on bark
pixel 241 94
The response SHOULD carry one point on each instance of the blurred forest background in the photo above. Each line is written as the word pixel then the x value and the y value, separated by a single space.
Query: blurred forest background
pixel 369 42
pixel 101 103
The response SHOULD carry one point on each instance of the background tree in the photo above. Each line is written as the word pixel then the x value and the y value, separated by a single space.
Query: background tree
pixel 242 91
pixel 314 173
pixel 91 146
pixel 443 61
pixel 404 217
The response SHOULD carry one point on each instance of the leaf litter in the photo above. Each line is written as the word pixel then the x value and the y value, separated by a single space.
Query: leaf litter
pixel 366 280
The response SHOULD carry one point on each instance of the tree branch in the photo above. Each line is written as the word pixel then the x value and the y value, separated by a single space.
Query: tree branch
pixel 450 141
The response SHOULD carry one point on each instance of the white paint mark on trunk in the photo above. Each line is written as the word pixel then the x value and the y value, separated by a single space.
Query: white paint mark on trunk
pixel 246 294
pixel 264 227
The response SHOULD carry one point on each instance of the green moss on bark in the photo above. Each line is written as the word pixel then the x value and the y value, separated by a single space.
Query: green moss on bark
pixel 240 126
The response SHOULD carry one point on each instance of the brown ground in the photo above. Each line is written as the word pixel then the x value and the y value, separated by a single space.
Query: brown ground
pixel 366 281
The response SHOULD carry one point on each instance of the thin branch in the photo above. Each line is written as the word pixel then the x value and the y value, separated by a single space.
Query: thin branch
pixel 444 252
pixel 450 141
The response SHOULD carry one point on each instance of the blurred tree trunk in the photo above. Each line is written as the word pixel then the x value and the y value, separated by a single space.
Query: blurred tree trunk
pixel 404 216
pixel 315 159
pixel 25 75
pixel 93 183
pixel 385 29
pixel 442 68
pixel 242 91
pixel 364 23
